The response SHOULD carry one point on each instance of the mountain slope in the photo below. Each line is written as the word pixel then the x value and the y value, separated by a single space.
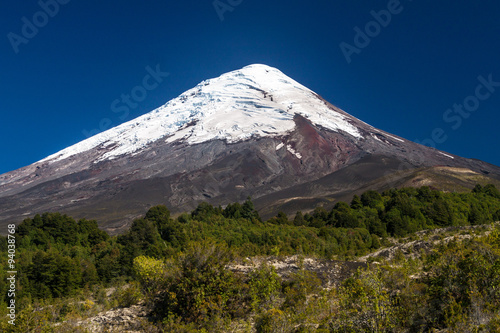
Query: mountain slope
pixel 251 132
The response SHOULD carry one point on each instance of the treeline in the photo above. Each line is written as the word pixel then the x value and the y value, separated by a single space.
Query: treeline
pixel 398 212
pixel 58 256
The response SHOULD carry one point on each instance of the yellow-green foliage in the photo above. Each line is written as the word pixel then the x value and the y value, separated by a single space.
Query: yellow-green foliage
pixel 150 272
pixel 273 320
pixel 366 304
pixel 264 286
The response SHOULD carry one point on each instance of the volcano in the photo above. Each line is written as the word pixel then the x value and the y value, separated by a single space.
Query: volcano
pixel 253 132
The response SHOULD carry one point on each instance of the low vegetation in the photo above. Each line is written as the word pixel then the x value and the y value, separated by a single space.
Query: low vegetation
pixel 179 268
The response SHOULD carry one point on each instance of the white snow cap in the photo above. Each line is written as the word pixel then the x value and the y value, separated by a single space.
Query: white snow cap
pixel 255 101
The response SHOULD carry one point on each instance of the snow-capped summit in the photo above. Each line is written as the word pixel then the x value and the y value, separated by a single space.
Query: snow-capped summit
pixel 251 132
pixel 255 101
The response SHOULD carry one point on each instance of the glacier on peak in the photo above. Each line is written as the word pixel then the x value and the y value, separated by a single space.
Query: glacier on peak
pixel 255 101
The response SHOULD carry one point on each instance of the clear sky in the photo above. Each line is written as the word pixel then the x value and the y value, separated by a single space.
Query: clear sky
pixel 400 66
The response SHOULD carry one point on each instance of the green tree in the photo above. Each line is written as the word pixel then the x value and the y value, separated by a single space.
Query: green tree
pixel 396 225
pixel 142 239
pixel 53 275
pixel 439 212
pixel 492 191
pixel 477 189
pixel 91 234
pixel 248 210
pixel 108 263
pixel 160 216
pixel 298 220
pixel 280 219
pixel 372 199
pixel 477 214
pixel 205 210
pixel 233 211
pixel 356 203
pixel 342 216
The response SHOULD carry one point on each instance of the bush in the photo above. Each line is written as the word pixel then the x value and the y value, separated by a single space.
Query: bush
pixel 264 288
pixel 299 286
pixel 200 288
pixel 150 273
pixel 271 321
pixel 365 305
pixel 128 295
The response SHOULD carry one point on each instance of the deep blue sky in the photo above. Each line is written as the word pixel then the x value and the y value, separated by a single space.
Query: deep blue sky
pixel 63 81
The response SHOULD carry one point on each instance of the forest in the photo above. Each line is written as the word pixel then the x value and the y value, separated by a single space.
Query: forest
pixel 178 267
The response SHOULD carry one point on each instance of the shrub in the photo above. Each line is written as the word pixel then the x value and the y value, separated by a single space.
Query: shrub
pixel 200 288
pixel 129 295
pixel 150 272
pixel 271 321
pixel 264 288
